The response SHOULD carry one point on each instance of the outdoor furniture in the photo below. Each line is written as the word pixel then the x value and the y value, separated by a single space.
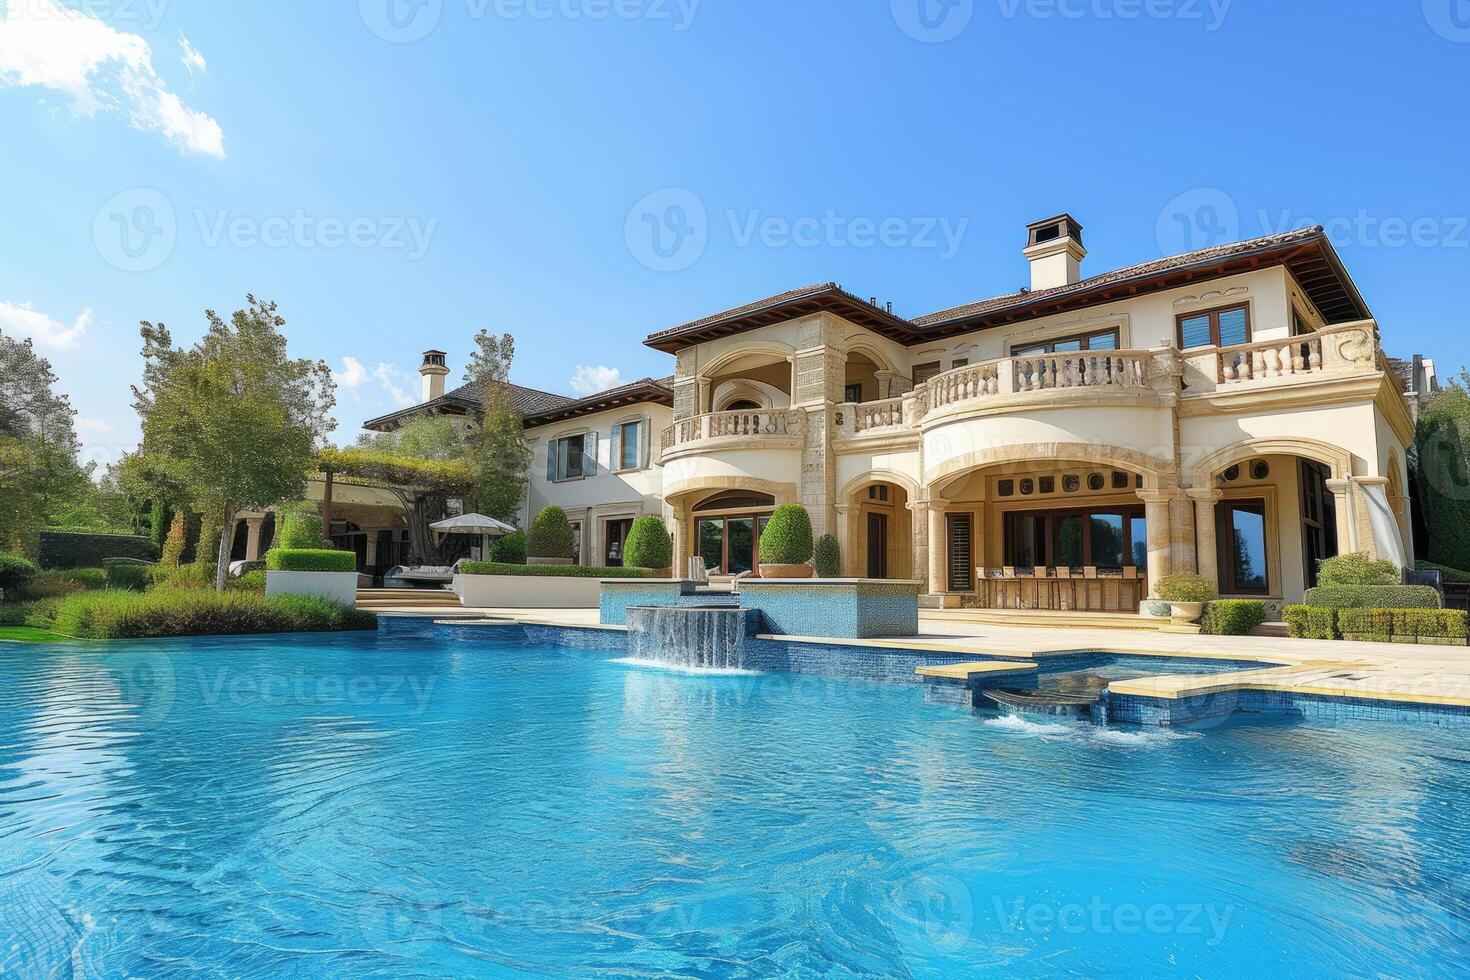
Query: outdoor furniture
pixel 1064 589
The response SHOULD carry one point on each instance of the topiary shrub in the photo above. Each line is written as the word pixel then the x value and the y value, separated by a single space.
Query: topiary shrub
pixel 1372 597
pixel 1233 617
pixel 550 535
pixel 15 572
pixel 509 549
pixel 1311 622
pixel 648 544
pixel 310 560
pixel 1447 624
pixel 1358 569
pixel 1186 587
pixel 827 556
pixel 787 539
pixel 301 529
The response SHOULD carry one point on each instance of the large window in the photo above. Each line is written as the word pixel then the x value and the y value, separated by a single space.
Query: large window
pixel 923 372
pixel 571 457
pixel 1224 327
pixel 1111 537
pixel 628 440
pixel 1101 340
pixel 1319 518
pixel 728 544
pixel 1241 525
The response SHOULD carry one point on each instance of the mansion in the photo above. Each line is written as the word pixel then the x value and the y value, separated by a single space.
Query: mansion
pixel 1228 411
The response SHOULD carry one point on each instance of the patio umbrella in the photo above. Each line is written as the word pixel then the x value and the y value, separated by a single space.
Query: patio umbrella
pixel 489 527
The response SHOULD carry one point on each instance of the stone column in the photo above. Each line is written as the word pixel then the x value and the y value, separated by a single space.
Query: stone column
pixel 1157 518
pixel 938 549
pixel 1347 527
pixel 252 538
pixel 919 560
pixel 1181 533
pixel 702 397
pixel 1204 531
pixel 846 539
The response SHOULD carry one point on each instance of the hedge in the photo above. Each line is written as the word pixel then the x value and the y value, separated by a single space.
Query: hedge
pixel 69 549
pixel 509 549
pixel 183 612
pixel 60 582
pixel 1186 587
pixel 1372 597
pixel 1233 617
pixel 550 535
pixel 194 575
pixel 553 571
pixel 1450 574
pixel 1358 569
pixel 128 575
pixel 1402 625
pixel 249 582
pixel 1311 622
pixel 310 560
pixel 15 572
pixel 787 539
pixel 827 556
pixel 301 530
pixel 648 544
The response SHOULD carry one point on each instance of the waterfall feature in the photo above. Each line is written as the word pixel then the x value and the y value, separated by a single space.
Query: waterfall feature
pixel 692 638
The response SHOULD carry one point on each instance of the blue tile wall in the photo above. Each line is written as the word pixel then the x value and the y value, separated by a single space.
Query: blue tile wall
pixel 850 611
pixel 615 598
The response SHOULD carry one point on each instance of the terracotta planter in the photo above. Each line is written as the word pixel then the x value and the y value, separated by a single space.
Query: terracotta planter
pixel 1186 612
pixel 787 571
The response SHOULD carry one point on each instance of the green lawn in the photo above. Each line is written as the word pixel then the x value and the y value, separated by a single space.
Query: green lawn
pixel 24 634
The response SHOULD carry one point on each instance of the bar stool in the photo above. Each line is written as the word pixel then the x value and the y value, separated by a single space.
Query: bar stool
pixel 1066 594
pixel 1091 587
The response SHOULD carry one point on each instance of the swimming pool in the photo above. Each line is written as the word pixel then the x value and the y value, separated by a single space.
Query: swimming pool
pixel 432 801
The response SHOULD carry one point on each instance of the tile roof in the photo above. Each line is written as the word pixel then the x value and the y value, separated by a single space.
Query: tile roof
pixel 642 390
pixel 466 398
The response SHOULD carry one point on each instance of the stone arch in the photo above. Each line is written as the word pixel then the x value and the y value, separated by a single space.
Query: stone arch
pixel 1335 458
pixel 740 390
pixel 872 353
pixel 909 484
pixel 785 493
pixel 1157 473
pixel 774 350
pixel 1398 496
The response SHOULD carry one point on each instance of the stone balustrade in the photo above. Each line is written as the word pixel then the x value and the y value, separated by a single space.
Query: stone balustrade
pixel 727 428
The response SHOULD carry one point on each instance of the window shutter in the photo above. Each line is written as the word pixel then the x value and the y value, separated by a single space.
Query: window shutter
pixel 615 452
pixel 961 571
pixel 645 441
pixel 553 449
pixel 589 444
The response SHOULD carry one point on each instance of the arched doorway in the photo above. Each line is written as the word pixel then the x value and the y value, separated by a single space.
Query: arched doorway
pixel 877 531
pixel 727 528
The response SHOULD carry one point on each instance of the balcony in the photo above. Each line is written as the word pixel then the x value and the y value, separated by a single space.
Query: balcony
pixel 762 429
pixel 1076 376
pixel 1342 351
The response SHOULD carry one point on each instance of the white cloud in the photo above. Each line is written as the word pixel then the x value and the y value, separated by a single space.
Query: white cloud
pixel 94 425
pixel 192 59
pixel 397 384
pixel 99 67
pixel 591 380
pixel 352 375
pixel 26 321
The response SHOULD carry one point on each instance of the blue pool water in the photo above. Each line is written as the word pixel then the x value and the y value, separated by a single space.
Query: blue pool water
pixel 442 803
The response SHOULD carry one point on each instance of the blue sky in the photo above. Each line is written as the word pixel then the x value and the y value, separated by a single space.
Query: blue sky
pixel 398 174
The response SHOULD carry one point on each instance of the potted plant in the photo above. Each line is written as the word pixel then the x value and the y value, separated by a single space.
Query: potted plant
pixel 1186 594
pixel 649 546
pixel 786 543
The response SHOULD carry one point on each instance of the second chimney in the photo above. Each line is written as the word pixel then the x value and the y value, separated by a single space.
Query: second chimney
pixel 1054 248
pixel 434 372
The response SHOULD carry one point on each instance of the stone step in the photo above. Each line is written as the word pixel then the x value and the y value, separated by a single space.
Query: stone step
pixel 1049 619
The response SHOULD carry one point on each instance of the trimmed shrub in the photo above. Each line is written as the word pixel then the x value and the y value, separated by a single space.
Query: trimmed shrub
pixel 15 572
pixel 1186 587
pixel 1358 569
pixel 787 539
pixel 1450 574
pixel 1451 624
pixel 552 571
pixel 1366 624
pixel 129 575
pixel 173 545
pixel 1311 622
pixel 550 535
pixel 1233 617
pixel 185 612
pixel 1373 597
pixel 301 530
pixel 69 549
pixel 648 545
pixel 249 582
pixel 509 550
pixel 827 556
pixel 310 560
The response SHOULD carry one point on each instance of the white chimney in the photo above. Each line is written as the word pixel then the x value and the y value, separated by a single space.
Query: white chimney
pixel 434 372
pixel 1054 248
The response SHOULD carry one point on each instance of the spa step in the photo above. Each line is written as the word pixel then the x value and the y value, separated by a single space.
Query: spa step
pixel 371 599
pixel 1041 702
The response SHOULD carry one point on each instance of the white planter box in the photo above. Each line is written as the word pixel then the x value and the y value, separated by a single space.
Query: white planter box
pixel 338 587
pixel 527 592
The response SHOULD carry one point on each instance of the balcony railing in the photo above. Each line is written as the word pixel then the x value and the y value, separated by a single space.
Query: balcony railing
pixel 766 425
pixel 872 416
pixel 1035 372
pixel 1343 349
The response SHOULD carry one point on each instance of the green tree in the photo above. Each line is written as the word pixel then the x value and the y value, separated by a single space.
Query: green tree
pixel 498 450
pixel 423 487
pixel 233 419
pixel 1440 463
